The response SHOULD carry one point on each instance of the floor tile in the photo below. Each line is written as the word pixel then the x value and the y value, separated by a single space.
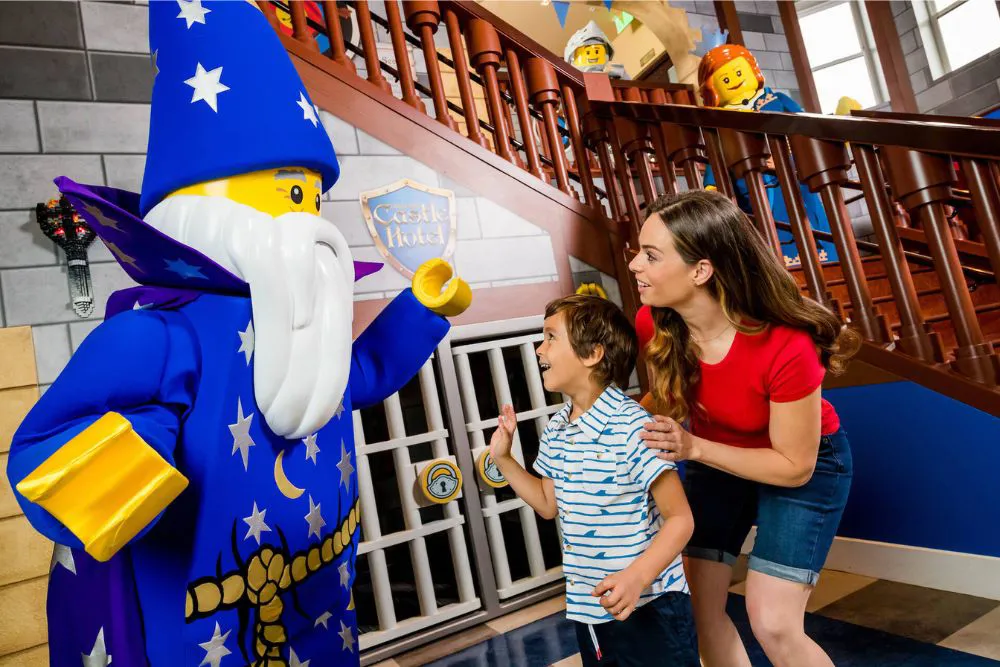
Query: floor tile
pixel 530 614
pixel 538 644
pixel 981 637
pixel 386 663
pixel 444 647
pixel 924 614
pixel 834 585
pixel 572 661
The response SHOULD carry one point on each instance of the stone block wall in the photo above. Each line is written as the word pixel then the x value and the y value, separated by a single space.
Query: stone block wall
pixel 967 91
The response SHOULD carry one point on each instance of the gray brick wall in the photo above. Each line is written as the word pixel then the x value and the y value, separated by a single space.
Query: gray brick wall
pixel 74 91
pixel 966 91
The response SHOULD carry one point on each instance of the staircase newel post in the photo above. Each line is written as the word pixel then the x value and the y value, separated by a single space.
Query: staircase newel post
pixel 823 167
pixel 423 18
pixel 543 86
pixel 922 182
pixel 915 335
pixel 484 52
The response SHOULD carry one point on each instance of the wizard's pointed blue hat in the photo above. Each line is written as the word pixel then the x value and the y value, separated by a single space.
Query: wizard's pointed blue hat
pixel 226 100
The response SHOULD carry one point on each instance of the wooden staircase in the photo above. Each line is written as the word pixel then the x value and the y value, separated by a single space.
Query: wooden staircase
pixel 582 156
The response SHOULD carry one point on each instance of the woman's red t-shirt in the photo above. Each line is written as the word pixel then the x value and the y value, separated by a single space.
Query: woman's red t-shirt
pixel 779 364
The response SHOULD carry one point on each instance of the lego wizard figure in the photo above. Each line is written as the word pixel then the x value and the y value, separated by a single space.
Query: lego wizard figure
pixel 194 462
pixel 730 78
pixel 589 50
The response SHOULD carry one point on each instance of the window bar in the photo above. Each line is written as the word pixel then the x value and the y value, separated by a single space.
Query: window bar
pixel 498 549
pixel 384 608
pixel 411 513
pixel 456 535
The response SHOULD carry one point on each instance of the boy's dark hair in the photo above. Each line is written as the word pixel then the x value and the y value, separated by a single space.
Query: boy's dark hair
pixel 592 321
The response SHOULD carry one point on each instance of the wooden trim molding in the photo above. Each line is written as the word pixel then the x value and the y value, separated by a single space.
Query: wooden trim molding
pixel 800 59
pixel 890 55
pixel 725 11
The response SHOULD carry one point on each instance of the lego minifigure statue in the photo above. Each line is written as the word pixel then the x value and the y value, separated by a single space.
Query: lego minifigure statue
pixel 589 50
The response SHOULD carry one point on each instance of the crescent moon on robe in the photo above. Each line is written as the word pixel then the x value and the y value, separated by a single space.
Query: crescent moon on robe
pixel 287 488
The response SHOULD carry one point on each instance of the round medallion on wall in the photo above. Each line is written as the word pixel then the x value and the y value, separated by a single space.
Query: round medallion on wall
pixel 440 481
pixel 489 472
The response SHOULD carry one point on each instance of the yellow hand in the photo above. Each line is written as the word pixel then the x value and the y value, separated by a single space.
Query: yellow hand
pixel 105 485
pixel 427 285
pixel 711 188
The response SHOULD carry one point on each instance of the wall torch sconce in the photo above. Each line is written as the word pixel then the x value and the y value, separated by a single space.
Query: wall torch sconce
pixel 70 232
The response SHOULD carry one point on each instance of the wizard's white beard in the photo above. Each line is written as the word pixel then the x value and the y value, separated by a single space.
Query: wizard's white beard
pixel 301 277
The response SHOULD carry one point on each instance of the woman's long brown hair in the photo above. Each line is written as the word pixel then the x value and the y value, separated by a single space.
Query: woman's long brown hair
pixel 748 281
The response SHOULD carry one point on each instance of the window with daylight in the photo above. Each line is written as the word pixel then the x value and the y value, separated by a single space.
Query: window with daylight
pixel 841 53
pixel 962 30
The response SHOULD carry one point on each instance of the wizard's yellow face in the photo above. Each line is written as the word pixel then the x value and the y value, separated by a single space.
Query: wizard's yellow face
pixel 590 54
pixel 735 82
pixel 271 191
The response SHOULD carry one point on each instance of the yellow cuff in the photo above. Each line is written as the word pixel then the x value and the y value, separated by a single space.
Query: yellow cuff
pixel 105 485
pixel 427 284
pixel 711 187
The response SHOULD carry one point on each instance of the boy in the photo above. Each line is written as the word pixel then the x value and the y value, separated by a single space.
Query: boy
pixel 625 585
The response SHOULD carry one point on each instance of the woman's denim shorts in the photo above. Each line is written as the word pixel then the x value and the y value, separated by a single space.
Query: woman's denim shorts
pixel 795 526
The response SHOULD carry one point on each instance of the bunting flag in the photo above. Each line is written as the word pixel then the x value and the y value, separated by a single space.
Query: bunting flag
pixel 607 4
pixel 562 8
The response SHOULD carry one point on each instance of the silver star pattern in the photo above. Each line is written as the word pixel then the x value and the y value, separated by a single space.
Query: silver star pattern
pixel 98 656
pixel 247 341
pixel 241 433
pixel 312 449
pixel 348 636
pixel 323 619
pixel 340 410
pixel 122 256
pixel 215 648
pixel 345 575
pixel 207 86
pixel 192 12
pixel 63 555
pixel 293 660
pixel 345 466
pixel 256 523
pixel 104 220
pixel 314 519
pixel 153 57
pixel 308 110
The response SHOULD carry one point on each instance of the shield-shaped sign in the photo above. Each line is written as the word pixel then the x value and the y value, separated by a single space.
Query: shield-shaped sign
pixel 411 223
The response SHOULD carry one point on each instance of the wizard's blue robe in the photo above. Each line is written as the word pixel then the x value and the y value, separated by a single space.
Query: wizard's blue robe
pixel 769 100
pixel 177 362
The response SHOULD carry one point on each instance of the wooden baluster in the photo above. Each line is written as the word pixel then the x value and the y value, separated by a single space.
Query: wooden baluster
pixel 372 63
pixel 801 229
pixel 523 113
pixel 597 140
pixel 580 154
pixel 687 149
pixel 271 13
pixel 543 85
pixel 462 74
pixel 300 27
pixel 660 96
pixel 747 155
pixel 484 52
pixel 986 199
pixel 915 335
pixel 624 180
pixel 331 16
pixel 923 183
pixel 509 121
pixel 402 56
pixel 723 181
pixel 423 18
pixel 823 166
pixel 636 147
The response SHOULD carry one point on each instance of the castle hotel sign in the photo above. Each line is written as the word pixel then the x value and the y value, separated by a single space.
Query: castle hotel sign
pixel 411 223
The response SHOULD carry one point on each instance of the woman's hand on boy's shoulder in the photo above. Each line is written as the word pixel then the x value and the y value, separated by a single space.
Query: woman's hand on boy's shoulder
pixel 669 440
pixel 503 436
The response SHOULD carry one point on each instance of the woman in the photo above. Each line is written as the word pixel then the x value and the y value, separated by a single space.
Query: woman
pixel 740 355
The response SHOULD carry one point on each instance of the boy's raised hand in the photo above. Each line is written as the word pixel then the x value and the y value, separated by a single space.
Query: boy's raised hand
pixel 503 437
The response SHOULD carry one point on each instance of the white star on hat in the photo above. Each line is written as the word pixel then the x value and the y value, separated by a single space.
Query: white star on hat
pixel 256 523
pixel 207 86
pixel 308 110
pixel 192 12
pixel 314 518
